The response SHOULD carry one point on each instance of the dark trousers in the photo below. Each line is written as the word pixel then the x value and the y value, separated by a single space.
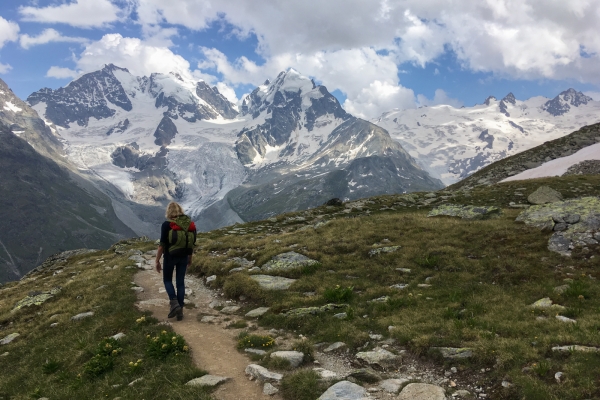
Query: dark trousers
pixel 179 264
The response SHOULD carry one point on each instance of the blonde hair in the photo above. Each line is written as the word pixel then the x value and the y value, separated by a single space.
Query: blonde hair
pixel 174 210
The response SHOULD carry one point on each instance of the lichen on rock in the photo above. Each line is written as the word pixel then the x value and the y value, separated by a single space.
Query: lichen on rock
pixel 36 298
pixel 287 261
pixel 465 212
pixel 298 312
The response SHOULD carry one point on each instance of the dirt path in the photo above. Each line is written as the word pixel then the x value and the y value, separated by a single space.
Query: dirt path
pixel 213 346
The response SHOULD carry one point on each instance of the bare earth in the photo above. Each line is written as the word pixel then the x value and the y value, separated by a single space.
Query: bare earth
pixel 213 347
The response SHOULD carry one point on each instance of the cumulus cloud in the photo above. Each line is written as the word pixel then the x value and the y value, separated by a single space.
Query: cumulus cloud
pixel 61 73
pixel 79 13
pixel 228 92
pixel 379 97
pixel 439 97
pixel 9 31
pixel 593 95
pixel 47 36
pixel 4 68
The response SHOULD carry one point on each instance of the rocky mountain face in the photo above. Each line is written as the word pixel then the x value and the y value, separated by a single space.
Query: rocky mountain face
pixel 45 208
pixel 533 158
pixel 451 144
pixel 151 140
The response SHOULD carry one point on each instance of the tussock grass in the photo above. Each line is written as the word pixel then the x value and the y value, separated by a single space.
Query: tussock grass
pixel 483 276
pixel 75 359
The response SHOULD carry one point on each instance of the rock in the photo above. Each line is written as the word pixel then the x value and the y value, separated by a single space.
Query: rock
pixel 543 195
pixel 118 336
pixel 454 353
pixel 54 325
pixel 378 356
pixel 230 309
pixel 215 303
pixel 381 250
pixel 399 286
pixel 366 375
pixel 375 336
pixel 558 376
pixel 572 218
pixel 287 261
pixel 465 212
pixel 561 289
pixel 560 227
pixel 255 351
pixel 559 244
pixel 404 270
pixel 262 374
pixel 422 391
pixel 273 282
pixel 211 279
pixel 137 259
pixel 571 348
pixel 242 262
pixel 382 299
pixel 208 381
pixel 269 389
pixel 565 319
pixel 36 298
pixel 137 289
pixel 325 374
pixel 295 358
pixel 392 385
pixel 9 338
pixel 424 285
pixel 135 381
pixel 298 312
pixel 334 202
pixel 81 316
pixel 461 393
pixel 344 390
pixel 239 269
pixel 5 354
pixel 257 312
pixel 342 315
pixel 208 319
pixel 546 303
pixel 335 346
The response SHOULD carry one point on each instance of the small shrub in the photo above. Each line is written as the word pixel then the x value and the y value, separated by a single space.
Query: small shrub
pixel 429 261
pixel 305 347
pixel 237 324
pixel 302 385
pixel 277 363
pixel 339 294
pixel 541 368
pixel 238 285
pixel 164 344
pixel 50 367
pixel 246 341
pixel 103 359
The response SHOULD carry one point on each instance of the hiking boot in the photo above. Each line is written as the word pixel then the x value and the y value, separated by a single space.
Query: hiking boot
pixel 180 314
pixel 175 307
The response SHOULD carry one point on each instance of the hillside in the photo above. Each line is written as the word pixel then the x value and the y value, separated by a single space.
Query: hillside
pixel 449 299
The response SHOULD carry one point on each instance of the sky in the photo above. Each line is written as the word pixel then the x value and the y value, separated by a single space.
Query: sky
pixel 373 55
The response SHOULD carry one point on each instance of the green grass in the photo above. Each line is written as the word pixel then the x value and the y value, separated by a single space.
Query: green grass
pixel 483 275
pixel 77 360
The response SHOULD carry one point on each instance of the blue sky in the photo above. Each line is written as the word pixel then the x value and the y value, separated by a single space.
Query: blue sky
pixel 373 55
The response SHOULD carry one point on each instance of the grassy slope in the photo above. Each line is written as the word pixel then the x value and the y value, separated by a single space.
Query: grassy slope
pixel 50 362
pixel 484 274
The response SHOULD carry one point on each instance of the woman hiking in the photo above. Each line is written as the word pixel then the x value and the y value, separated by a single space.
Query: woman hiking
pixel 177 238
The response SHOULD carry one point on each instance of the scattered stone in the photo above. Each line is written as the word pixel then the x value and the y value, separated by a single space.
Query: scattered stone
pixel 342 315
pixel 242 262
pixel 287 261
pixel 461 393
pixel 137 289
pixel 135 381
pixel 81 316
pixel 257 312
pixel 208 319
pixel 380 250
pixel 9 338
pixel 101 287
pixel 5 354
pixel 378 356
pixel 422 391
pixel 399 286
pixel 424 285
pixel 215 303
pixel 335 346
pixel 255 351
pixel 405 270
pixel 561 289
pixel 558 376
pixel 575 347
pixel 230 309
pixel 262 374
pixel 454 353
pixel 381 299
pixel 546 303
pixel 54 325
pixel 118 336
pixel 36 298
pixel 465 212
pixel 326 374
pixel 344 390
pixel 506 384
pixel 392 385
pixel 560 227
pixel 572 218
pixel 295 358
pixel 208 381
pixel 239 269
pixel 269 389
pixel 375 336
pixel 543 195
pixel 298 312
pixel 366 375
pixel 565 319
pixel 211 279
pixel 273 282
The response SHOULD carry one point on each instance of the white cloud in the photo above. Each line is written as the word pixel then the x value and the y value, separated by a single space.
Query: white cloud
pixel 593 95
pixel 228 92
pixel 379 97
pixel 47 36
pixel 4 68
pixel 9 31
pixel 440 97
pixel 61 73
pixel 79 13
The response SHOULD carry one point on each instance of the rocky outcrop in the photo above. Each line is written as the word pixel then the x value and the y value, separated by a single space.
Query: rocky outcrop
pixel 588 167
pixel 165 132
pixel 543 195
pixel 465 212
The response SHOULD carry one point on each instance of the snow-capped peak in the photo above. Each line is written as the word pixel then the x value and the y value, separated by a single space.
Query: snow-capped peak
pixel 562 103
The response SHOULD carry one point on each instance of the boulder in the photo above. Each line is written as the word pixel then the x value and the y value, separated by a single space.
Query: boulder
pixel 273 282
pixel 295 358
pixel 546 303
pixel 269 389
pixel 379 357
pixel 422 391
pixel 262 374
pixel 298 312
pixel 334 202
pixel 81 316
pixel 335 346
pixel 366 375
pixel 287 261
pixel 465 212
pixel 208 381
pixel 392 385
pixel 9 338
pixel 326 374
pixel 36 298
pixel 454 353
pixel 344 390
pixel 572 348
pixel 543 195
pixel 257 312
pixel 230 309
pixel 118 336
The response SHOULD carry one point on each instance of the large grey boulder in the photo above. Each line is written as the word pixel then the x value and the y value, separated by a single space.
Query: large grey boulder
pixel 378 356
pixel 543 195
pixel 257 312
pixel 287 261
pixel 273 282
pixel 422 391
pixel 262 374
pixel 295 358
pixel 344 390
pixel 392 385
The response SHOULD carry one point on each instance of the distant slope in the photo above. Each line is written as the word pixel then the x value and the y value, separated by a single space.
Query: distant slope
pixel 533 158
pixel 43 210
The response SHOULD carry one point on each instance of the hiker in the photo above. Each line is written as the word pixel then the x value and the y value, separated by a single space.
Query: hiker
pixel 177 238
